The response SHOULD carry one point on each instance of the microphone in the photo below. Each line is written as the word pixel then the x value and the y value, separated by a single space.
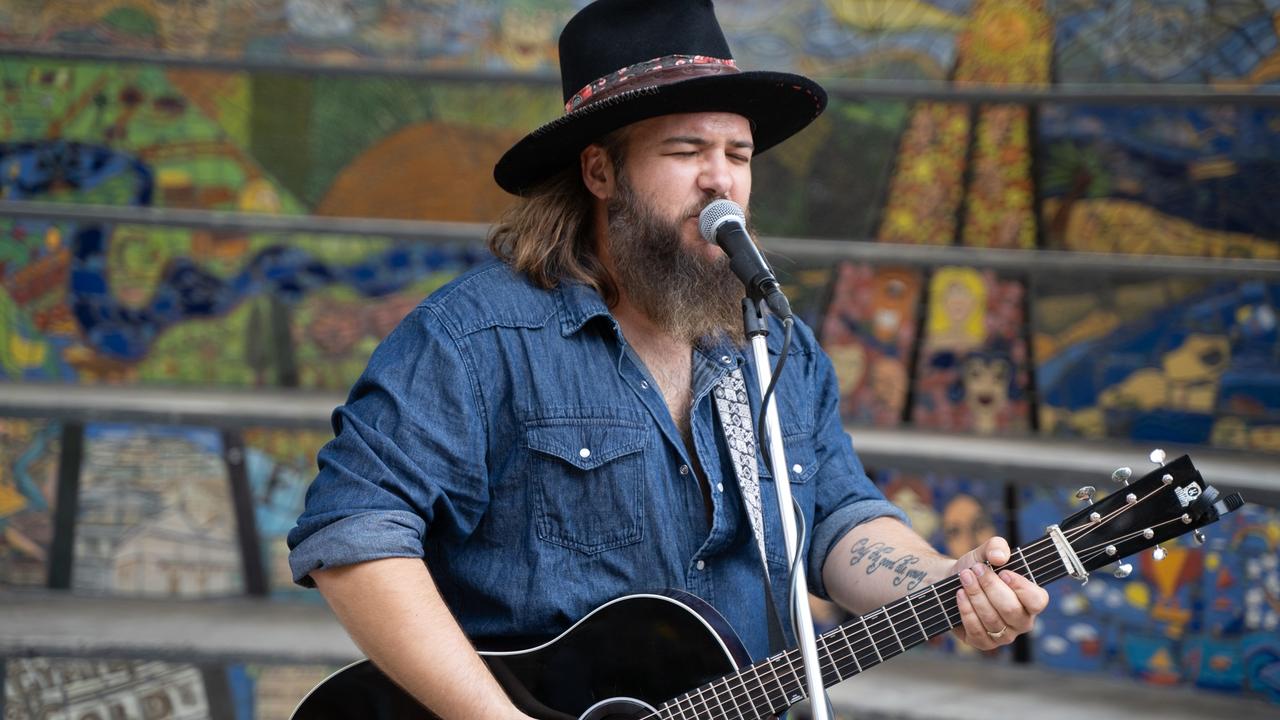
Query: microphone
pixel 723 223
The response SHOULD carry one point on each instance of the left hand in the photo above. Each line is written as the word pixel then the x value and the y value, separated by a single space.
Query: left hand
pixel 996 605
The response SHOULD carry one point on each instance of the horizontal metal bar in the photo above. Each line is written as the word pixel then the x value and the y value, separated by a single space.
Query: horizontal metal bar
pixel 223 407
pixel 1036 460
pixel 1033 262
pixel 782 250
pixel 844 88
pixel 442 232
pixel 1029 459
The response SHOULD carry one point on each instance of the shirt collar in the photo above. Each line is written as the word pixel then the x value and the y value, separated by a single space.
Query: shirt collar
pixel 578 304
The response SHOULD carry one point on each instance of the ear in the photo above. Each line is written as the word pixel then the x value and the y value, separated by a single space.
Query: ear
pixel 597 172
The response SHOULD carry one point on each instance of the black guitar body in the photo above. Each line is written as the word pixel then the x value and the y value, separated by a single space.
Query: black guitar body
pixel 620 662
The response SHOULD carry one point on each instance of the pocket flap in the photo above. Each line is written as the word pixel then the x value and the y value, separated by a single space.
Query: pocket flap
pixel 585 444
pixel 800 454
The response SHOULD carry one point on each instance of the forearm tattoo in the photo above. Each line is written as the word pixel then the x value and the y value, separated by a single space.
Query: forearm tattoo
pixel 877 556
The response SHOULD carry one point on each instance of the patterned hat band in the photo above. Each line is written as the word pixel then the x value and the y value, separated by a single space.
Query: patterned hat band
pixel 651 73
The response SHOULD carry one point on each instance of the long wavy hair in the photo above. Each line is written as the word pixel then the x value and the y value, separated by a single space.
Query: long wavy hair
pixel 547 233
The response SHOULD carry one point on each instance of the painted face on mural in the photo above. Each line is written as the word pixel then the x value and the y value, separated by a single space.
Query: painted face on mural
pixel 965 525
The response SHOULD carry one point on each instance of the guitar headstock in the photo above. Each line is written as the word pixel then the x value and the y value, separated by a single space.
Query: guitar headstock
pixel 1169 501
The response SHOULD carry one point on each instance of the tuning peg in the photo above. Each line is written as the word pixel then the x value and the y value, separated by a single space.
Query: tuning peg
pixel 1123 570
pixel 1157 456
pixel 1122 475
pixel 1086 493
pixel 1199 536
pixel 1159 553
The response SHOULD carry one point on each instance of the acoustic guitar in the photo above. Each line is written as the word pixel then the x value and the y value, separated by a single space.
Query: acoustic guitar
pixel 670 656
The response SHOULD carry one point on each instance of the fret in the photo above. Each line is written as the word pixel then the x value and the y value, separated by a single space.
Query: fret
pixel 1027 565
pixel 764 693
pixel 945 613
pixel 854 653
pixel 828 654
pixel 706 706
pixel 799 678
pixel 774 670
pixel 867 630
pixel 893 629
pixel 911 604
pixel 733 697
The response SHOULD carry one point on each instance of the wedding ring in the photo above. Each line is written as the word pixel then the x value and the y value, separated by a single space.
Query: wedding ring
pixel 999 633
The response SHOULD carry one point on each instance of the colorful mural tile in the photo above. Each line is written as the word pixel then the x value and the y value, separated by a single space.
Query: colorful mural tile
pixel 1160 180
pixel 28 489
pixel 1180 361
pixel 869 332
pixel 1229 45
pixel 281 464
pixel 972 369
pixel 155 514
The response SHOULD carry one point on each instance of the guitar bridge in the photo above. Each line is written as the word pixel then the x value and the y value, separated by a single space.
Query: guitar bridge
pixel 1070 560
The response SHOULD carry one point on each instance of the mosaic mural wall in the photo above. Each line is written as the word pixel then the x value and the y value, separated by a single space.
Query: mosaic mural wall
pixel 40 688
pixel 957 348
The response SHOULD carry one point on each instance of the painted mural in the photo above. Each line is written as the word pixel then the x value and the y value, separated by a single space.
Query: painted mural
pixel 1206 615
pixel 947 348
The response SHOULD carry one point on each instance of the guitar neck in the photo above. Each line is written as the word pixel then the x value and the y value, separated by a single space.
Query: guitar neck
pixel 770 686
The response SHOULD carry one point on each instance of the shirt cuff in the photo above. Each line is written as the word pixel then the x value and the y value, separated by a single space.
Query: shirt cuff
pixel 355 539
pixel 835 526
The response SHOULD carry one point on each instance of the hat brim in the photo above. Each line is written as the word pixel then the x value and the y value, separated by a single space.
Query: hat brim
pixel 778 105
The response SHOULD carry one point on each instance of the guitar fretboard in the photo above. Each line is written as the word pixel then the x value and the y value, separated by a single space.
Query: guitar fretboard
pixel 776 683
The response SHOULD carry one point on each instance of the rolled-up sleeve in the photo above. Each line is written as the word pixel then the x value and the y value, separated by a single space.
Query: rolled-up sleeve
pixel 845 496
pixel 407 457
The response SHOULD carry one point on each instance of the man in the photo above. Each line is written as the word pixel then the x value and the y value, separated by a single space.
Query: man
pixel 542 430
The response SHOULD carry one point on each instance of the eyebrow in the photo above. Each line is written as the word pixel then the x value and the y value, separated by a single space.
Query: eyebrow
pixel 703 142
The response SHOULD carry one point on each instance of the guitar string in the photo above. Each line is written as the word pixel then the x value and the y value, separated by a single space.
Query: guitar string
pixel 834 661
pixel 832 666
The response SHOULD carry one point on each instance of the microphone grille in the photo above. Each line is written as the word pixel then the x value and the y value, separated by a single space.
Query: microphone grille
pixel 716 213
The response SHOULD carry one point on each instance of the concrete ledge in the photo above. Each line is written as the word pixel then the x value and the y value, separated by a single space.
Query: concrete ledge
pixel 42 623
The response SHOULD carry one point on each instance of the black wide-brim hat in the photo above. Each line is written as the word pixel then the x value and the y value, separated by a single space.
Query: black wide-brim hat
pixel 622 61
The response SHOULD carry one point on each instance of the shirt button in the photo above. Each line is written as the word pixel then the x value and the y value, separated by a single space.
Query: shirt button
pixel 797 468
pixel 719 487
pixel 644 384
pixel 584 453
pixel 726 359
pixel 701 565
pixel 684 469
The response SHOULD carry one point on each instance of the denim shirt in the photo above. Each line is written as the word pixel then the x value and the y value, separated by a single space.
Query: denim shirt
pixel 510 437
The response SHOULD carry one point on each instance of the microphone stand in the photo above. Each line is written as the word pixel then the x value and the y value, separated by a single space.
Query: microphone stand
pixel 753 311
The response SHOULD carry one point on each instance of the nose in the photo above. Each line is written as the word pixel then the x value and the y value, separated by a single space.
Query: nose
pixel 715 179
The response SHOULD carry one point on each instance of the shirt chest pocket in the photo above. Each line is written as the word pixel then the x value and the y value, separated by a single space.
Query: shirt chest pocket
pixel 588 479
pixel 802 463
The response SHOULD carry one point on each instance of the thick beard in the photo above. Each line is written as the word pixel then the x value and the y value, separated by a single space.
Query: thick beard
pixel 694 299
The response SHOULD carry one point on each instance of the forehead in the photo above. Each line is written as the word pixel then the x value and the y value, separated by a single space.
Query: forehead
pixel 709 126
